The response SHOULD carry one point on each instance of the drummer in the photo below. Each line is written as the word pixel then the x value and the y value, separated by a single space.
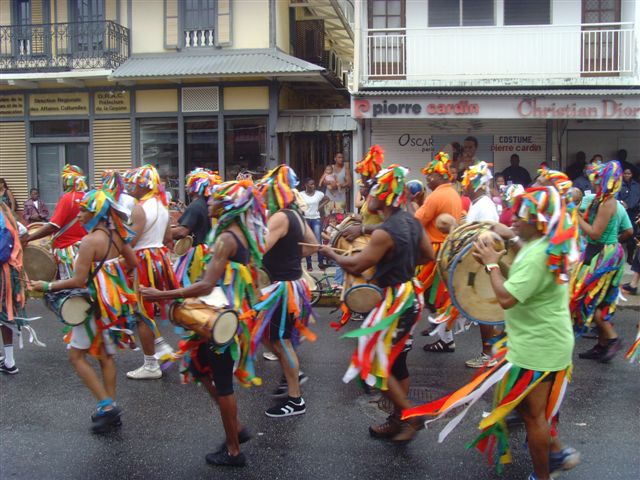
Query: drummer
pixel 64 222
pixel 103 256
pixel 396 248
pixel 150 222
pixel 237 248
pixel 195 222
pixel 442 199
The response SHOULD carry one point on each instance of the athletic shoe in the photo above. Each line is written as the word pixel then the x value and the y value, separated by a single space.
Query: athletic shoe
pixel 611 350
pixel 440 347
pixel 282 390
pixel 223 459
pixel 565 459
pixel 595 353
pixel 145 373
pixel 162 348
pixel 97 412
pixel 244 436
pixel 480 361
pixel 627 288
pixel 272 357
pixel 287 409
pixel 389 428
pixel 107 420
pixel 532 477
pixel 8 370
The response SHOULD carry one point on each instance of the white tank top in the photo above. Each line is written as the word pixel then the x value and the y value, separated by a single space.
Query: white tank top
pixel 157 218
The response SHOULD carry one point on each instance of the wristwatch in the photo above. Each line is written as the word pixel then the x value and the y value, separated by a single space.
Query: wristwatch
pixel 491 266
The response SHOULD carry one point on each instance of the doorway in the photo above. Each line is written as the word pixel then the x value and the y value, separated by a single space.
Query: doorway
pixel 50 159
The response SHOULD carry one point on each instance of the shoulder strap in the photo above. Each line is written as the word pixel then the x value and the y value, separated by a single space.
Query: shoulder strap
pixel 301 220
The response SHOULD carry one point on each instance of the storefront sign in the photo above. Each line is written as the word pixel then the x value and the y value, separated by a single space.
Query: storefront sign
pixel 11 105
pixel 531 149
pixel 59 104
pixel 112 102
pixel 497 107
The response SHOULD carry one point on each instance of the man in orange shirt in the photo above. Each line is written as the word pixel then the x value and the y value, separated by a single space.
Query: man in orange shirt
pixel 443 199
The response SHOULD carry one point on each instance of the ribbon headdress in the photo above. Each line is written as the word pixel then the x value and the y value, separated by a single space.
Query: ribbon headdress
pixel 546 209
pixel 511 192
pixel 276 188
pixel 371 164
pixel 390 186
pixel 607 178
pixel 113 183
pixel 104 207
pixel 477 175
pixel 560 180
pixel 73 179
pixel 439 164
pixel 201 181
pixel 147 177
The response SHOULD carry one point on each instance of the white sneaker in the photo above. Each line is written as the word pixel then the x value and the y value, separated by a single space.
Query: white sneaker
pixel 480 361
pixel 145 373
pixel 162 349
pixel 269 356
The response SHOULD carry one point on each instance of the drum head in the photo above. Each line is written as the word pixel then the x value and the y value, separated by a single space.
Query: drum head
pixel 75 310
pixel 362 298
pixel 263 278
pixel 225 327
pixel 470 288
pixel 39 264
pixel 183 245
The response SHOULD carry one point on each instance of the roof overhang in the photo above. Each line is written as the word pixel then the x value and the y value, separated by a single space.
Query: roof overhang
pixel 332 120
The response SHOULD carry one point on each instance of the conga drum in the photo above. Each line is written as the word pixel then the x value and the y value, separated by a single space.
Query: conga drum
pixel 182 246
pixel 44 241
pixel 39 264
pixel 72 307
pixel 219 325
pixel 468 283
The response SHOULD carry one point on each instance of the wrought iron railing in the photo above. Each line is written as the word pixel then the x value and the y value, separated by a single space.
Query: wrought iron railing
pixel 63 46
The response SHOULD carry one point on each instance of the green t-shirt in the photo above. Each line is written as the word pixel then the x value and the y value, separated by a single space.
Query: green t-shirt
pixel 618 223
pixel 539 332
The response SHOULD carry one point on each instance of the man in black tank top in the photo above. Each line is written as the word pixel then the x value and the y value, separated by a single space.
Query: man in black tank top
pixel 283 261
pixel 231 256
pixel 397 246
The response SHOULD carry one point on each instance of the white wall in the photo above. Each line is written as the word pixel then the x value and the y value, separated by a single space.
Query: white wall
pixel 605 138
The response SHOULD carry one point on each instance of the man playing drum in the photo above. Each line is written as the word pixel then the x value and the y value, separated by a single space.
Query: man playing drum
pixel 194 222
pixel 443 199
pixel 284 307
pixel 533 371
pixel 238 245
pixel 396 248
pixel 150 222
pixel 103 262
pixel 68 231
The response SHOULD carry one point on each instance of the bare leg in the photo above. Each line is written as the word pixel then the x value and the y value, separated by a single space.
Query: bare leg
pixel 290 371
pixel 87 374
pixel 213 393
pixel 229 414
pixel 532 410
pixel 397 392
pixel 147 338
pixel 7 335
pixel 487 332
pixel 108 367
pixel 606 331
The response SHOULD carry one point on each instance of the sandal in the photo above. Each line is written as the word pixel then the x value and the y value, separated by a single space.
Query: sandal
pixel 440 347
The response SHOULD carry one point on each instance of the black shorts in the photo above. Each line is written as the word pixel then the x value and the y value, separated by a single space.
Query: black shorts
pixel 274 326
pixel 405 326
pixel 216 366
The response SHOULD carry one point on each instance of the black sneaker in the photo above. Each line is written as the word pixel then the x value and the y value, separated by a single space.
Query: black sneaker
pixel 97 412
pixel 282 389
pixel 595 353
pixel 611 350
pixel 287 409
pixel 107 420
pixel 223 459
pixel 244 436
pixel 8 370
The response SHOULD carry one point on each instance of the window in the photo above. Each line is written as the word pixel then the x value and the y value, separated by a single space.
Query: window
pixel 201 144
pixel 159 147
pixel 60 128
pixel 527 12
pixel 456 13
pixel 387 47
pixel 245 140
pixel 199 23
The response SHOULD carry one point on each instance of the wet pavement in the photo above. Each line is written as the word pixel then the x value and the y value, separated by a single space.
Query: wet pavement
pixel 168 427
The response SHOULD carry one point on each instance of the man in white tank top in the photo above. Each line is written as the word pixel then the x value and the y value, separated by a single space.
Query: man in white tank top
pixel 150 222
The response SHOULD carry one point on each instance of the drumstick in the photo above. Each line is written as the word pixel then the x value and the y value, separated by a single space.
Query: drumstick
pixel 316 245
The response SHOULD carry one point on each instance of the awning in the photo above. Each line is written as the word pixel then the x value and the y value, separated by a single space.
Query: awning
pixel 503 92
pixel 338 120
pixel 214 63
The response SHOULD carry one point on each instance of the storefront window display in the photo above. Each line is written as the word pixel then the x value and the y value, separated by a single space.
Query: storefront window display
pixel 245 141
pixel 201 144
pixel 159 147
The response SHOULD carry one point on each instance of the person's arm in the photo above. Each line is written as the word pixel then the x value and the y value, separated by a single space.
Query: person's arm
pixel 45 230
pixel 603 216
pixel 487 255
pixel 347 176
pixel 224 248
pixel 167 238
pixel 138 219
pixel 277 227
pixel 86 254
pixel 359 200
pixel 44 210
pixel 12 200
pixel 354 231
pixel 179 231
pixel 625 235
pixel 426 253
pixel 130 259
pixel 323 202
pixel 28 211
pixel 426 213
pixel 514 242
pixel 381 242
pixel 309 237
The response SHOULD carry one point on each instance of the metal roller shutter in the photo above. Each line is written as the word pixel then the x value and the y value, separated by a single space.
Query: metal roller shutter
pixel 13 159
pixel 111 146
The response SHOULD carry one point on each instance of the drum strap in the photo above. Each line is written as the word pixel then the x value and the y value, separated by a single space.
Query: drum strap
pixel 93 273
pixel 64 229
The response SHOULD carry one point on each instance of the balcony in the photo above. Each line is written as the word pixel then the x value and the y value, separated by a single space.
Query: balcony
pixel 465 55
pixel 53 47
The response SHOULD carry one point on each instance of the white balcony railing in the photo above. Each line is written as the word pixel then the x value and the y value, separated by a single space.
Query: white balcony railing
pixel 201 37
pixel 543 51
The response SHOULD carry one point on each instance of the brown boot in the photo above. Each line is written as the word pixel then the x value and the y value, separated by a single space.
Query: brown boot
pixel 387 429
pixel 408 430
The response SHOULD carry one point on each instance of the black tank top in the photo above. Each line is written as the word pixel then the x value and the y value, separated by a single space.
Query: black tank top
pixel 399 266
pixel 242 252
pixel 283 261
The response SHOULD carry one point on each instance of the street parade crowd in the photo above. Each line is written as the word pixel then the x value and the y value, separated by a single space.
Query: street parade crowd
pixel 111 266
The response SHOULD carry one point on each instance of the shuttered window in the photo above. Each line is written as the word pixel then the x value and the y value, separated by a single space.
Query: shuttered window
pixel 111 146
pixel 13 159
pixel 197 23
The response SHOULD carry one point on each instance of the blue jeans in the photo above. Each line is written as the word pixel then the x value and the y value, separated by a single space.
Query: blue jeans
pixel 316 226
pixel 338 277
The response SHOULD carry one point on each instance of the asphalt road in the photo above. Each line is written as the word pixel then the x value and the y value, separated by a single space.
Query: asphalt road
pixel 168 427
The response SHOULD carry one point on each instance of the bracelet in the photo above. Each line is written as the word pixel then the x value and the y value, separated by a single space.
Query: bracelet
pixel 46 287
pixel 489 267
pixel 514 240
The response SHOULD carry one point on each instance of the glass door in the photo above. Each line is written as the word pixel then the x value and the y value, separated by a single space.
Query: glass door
pixel 50 160
pixel 89 28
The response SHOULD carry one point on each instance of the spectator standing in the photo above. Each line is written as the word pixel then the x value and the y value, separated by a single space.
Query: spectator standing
pixel 629 196
pixel 582 182
pixel 515 173
pixel 315 200
pixel 6 195
pixel 343 179
pixel 576 169
pixel 35 210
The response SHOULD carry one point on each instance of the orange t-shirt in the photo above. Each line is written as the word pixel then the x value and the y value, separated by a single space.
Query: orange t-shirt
pixel 444 199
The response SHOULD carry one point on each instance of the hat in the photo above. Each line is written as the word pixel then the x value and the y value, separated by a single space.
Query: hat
pixel 477 175
pixel 201 181
pixel 277 187
pixel 390 186
pixel 73 179
pixel 439 164
pixel 371 164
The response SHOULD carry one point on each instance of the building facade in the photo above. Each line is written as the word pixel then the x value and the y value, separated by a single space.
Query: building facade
pixel 223 84
pixel 543 80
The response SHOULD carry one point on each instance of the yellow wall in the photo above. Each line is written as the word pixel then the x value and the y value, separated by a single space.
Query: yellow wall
pixel 110 9
pixel 147 31
pixel 246 98
pixel 250 24
pixel 5 12
pixel 123 13
pixel 13 159
pixel 282 25
pixel 62 6
pixel 156 101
